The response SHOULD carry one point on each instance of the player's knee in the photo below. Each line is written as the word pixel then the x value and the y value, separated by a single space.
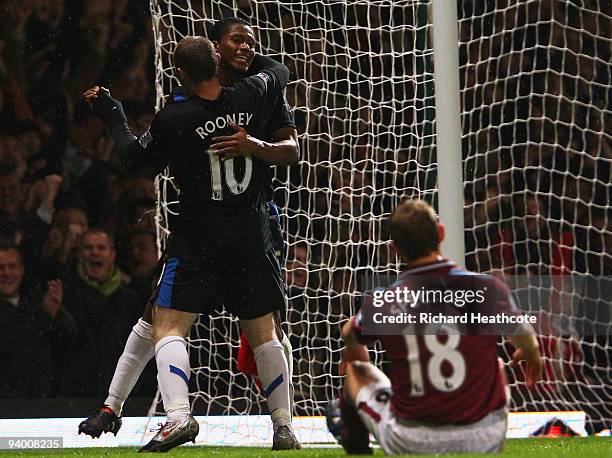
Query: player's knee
pixel 260 337
pixel 368 371
pixel 353 383
pixel 159 333
pixel 278 326
pixel 360 374
pixel 169 322
pixel 259 330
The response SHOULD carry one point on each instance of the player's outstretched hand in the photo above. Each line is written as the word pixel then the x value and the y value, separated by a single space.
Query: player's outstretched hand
pixel 238 144
pixel 102 104
pixel 91 94
pixel 534 365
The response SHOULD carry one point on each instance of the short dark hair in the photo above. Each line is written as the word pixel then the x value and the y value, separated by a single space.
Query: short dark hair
pixel 97 230
pixel 142 231
pixel 196 57
pixel 8 245
pixel 222 26
pixel 414 229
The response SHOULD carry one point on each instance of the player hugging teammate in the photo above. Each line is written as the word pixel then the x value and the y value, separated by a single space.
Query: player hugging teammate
pixel 220 251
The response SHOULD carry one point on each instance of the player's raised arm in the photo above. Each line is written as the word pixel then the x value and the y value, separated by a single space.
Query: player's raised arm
pixel 527 348
pixel 268 65
pixel 131 149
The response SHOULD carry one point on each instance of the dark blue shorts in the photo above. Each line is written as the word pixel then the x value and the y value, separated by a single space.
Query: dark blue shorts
pixel 246 281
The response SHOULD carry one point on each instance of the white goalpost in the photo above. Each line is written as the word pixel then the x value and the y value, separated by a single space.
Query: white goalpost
pixel 509 138
pixel 448 126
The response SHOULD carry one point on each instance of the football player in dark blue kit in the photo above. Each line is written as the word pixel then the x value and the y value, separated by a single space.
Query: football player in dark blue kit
pixel 219 252
pixel 234 39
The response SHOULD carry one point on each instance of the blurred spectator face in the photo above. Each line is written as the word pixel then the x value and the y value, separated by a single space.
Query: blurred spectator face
pixel 140 187
pixel 296 273
pixel 68 217
pixel 140 125
pixel 97 8
pixel 13 147
pixel 144 217
pixel 10 230
pixel 51 12
pixel 237 47
pixel 142 257
pixel 30 143
pixel 115 187
pixel 534 209
pixel 52 243
pixel 344 285
pixel 492 198
pixel 532 205
pixel 97 256
pixel 86 134
pixel 11 196
pixel 11 273
pixel 119 6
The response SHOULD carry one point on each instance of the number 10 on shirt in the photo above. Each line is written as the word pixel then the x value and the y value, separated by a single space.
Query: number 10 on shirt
pixel 236 187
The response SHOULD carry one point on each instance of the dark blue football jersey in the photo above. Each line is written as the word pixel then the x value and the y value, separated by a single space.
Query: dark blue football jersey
pixel 217 199
pixel 280 117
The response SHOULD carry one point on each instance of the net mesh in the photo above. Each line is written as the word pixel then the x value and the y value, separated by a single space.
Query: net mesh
pixel 535 99
pixel 535 95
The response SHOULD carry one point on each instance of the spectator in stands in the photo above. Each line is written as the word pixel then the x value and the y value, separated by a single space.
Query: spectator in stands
pixel 296 270
pixel 141 261
pixel 35 327
pixel 36 226
pixel 137 214
pixel 104 308
pixel 139 187
pixel 59 250
pixel 11 197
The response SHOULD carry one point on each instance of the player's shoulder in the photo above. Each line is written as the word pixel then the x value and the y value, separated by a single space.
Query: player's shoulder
pixel 178 108
pixel 250 84
pixel 483 281
pixel 240 87
pixel 175 114
pixel 478 276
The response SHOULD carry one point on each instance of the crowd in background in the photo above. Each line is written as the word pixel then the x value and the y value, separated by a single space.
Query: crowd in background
pixel 77 229
pixel 77 226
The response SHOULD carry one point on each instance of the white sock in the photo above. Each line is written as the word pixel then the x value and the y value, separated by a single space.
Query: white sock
pixel 288 349
pixel 273 373
pixel 137 353
pixel 173 376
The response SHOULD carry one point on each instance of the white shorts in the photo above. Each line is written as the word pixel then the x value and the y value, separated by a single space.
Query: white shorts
pixel 396 437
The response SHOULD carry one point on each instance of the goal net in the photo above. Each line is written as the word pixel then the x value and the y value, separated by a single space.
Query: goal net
pixel 535 95
pixel 535 99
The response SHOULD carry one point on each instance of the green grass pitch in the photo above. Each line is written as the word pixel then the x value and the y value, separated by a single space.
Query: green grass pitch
pixel 574 447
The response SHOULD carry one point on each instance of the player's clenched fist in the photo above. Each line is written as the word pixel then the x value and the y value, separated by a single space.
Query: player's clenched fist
pixel 102 104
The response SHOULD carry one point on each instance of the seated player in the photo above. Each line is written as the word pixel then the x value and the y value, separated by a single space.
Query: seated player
pixel 443 395
pixel 234 40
